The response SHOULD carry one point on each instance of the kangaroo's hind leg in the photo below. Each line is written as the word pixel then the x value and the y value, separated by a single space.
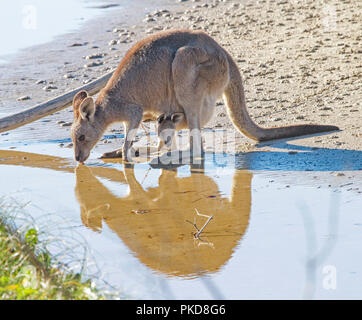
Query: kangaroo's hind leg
pixel 198 75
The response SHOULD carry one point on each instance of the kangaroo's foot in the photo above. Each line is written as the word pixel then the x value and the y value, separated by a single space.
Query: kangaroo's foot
pixel 112 154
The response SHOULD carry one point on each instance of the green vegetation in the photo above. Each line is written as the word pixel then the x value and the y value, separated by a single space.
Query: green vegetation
pixel 27 272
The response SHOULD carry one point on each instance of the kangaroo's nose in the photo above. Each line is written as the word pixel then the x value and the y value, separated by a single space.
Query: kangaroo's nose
pixel 77 158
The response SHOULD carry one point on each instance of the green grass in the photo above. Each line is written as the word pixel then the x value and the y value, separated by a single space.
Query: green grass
pixel 27 272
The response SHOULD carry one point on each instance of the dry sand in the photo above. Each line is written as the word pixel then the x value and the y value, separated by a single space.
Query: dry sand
pixel 300 61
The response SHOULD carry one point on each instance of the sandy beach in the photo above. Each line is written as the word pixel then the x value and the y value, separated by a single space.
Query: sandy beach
pixel 300 62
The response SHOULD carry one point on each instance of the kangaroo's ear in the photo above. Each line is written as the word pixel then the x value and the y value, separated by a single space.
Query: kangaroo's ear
pixel 87 109
pixel 77 100
pixel 177 117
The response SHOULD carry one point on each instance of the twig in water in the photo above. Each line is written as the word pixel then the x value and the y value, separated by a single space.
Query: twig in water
pixel 199 231
pixel 206 223
pixel 193 224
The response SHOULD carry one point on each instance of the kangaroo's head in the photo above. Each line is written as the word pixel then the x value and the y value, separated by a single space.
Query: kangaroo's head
pixel 167 124
pixel 85 131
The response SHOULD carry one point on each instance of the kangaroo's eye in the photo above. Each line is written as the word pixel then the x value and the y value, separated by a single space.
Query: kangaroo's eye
pixel 81 138
pixel 161 118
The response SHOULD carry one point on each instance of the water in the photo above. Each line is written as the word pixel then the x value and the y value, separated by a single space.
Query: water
pixel 277 230
pixel 27 23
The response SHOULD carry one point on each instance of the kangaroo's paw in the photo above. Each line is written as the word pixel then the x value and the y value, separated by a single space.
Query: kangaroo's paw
pixel 112 154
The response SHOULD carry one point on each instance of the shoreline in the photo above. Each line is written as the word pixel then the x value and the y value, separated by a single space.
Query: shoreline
pixel 294 68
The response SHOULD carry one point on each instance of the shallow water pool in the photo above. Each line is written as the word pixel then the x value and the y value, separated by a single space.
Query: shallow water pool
pixel 276 225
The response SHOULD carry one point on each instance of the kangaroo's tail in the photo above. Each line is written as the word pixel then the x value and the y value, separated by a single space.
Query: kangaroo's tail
pixel 235 100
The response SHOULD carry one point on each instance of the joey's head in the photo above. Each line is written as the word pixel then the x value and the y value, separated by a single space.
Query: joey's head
pixel 86 130
pixel 167 125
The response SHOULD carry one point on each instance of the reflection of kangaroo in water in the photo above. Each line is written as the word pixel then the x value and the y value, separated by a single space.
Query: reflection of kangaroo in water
pixel 152 222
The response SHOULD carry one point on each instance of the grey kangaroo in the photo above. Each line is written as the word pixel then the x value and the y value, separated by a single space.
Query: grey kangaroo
pixel 178 71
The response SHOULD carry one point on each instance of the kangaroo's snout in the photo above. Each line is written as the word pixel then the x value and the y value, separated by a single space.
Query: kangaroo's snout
pixel 80 157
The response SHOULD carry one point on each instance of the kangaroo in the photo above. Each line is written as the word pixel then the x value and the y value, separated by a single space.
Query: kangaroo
pixel 171 71
pixel 166 129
